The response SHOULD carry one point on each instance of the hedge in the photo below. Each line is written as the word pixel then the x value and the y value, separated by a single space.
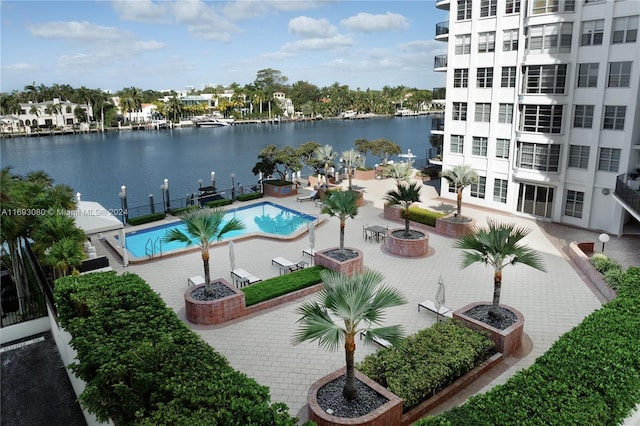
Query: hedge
pixel 218 203
pixel 180 210
pixel 428 361
pixel 250 196
pixel 143 366
pixel 589 376
pixel 146 218
pixel 424 216
pixel 283 284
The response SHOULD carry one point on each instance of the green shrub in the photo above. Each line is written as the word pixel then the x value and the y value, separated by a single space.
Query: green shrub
pixel 283 284
pixel 630 283
pixel 427 361
pixel 614 277
pixel 250 196
pixel 424 216
pixel 147 218
pixel 278 182
pixel 143 366
pixel 180 210
pixel 603 263
pixel 218 203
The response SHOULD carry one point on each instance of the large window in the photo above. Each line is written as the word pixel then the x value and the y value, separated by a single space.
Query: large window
pixel 592 32
pixel 625 30
pixel 479 146
pixel 614 117
pixel 484 77
pixel 579 156
pixel 541 157
pixel 588 75
pixel 502 148
pixel 549 38
pixel 463 44
pixel 544 78
pixel 574 203
pixel 482 112
pixel 457 144
pixel 505 113
pixel 510 40
pixel 512 6
pixel 459 111
pixel 479 188
pixel 488 8
pixel 461 77
pixel 508 77
pixel 609 160
pixel 552 6
pixel 541 118
pixel 583 116
pixel 619 74
pixel 500 190
pixel 464 9
pixel 487 42
pixel 535 199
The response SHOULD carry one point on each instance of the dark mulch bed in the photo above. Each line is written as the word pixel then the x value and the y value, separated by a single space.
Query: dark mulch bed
pixel 412 235
pixel 481 313
pixel 330 398
pixel 219 291
pixel 457 219
pixel 341 256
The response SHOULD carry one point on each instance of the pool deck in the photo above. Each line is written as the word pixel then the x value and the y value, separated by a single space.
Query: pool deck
pixel 260 345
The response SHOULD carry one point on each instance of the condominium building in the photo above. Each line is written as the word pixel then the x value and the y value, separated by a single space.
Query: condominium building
pixel 542 102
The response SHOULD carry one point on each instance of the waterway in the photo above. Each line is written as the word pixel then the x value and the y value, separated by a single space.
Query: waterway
pixel 98 164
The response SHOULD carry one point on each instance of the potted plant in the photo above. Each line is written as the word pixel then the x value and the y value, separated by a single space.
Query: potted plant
pixel 363 146
pixel 460 177
pixel 346 306
pixel 405 242
pixel 498 245
pixel 281 162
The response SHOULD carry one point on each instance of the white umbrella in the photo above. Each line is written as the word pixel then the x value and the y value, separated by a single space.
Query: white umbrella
pixel 232 256
pixel 312 238
pixel 440 299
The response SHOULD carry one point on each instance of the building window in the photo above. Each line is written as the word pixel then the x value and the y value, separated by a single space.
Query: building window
pixel 625 30
pixel 609 160
pixel 619 74
pixel 483 113
pixel 461 77
pixel 513 6
pixel 574 203
pixel 505 113
pixel 508 77
pixel 484 77
pixel 478 189
pixel 588 75
pixel 488 8
pixel 583 116
pixel 459 111
pixel 550 38
pixel 463 44
pixel 510 40
pixel 479 146
pixel 552 6
pixel 464 9
pixel 592 32
pixel 544 78
pixel 541 118
pixel 500 190
pixel 502 148
pixel 541 157
pixel 457 144
pixel 487 42
pixel 614 117
pixel 579 156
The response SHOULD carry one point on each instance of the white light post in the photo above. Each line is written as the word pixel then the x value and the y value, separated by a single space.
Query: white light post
pixel 233 187
pixel 166 188
pixel 152 206
pixel 123 203
pixel 604 238
pixel 213 180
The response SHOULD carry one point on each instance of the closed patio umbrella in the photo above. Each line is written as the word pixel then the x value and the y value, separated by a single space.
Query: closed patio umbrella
pixel 232 256
pixel 440 299
pixel 312 238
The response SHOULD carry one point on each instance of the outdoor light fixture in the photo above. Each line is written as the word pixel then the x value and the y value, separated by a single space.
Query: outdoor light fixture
pixel 233 187
pixel 123 203
pixel 213 180
pixel 152 206
pixel 166 188
pixel 164 205
pixel 199 183
pixel 604 238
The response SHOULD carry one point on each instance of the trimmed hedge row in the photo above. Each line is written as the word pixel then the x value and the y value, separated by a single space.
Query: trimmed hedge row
pixel 428 361
pixel 590 376
pixel 424 216
pixel 147 218
pixel 250 196
pixel 218 203
pixel 180 210
pixel 143 366
pixel 283 284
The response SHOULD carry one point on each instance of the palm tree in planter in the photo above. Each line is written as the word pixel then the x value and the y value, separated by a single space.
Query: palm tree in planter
pixel 346 306
pixel 405 194
pixel 202 226
pixel 343 205
pixel 498 245
pixel 460 177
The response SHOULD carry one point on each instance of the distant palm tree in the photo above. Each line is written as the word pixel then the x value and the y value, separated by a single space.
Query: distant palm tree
pixel 497 246
pixel 351 160
pixel 405 194
pixel 460 177
pixel 347 305
pixel 203 226
pixel 343 205
pixel 34 110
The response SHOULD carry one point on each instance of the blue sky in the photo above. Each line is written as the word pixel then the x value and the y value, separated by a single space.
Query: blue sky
pixel 171 44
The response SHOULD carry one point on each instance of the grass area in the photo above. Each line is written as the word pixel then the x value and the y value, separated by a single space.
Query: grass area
pixel 284 284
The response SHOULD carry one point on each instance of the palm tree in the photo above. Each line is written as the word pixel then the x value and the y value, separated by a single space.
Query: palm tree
pixel 64 254
pixel 498 245
pixel 34 110
pixel 346 306
pixel 405 194
pixel 326 155
pixel 202 226
pixel 51 229
pixel 352 160
pixel 343 205
pixel 399 171
pixel 460 177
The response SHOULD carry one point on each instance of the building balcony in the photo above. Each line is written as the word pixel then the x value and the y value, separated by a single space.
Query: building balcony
pixel 628 196
pixel 442 31
pixel 440 63
pixel 443 4
pixel 439 94
pixel 437 125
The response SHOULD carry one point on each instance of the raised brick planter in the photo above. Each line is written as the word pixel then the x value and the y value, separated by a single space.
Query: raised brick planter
pixel 214 311
pixel 280 191
pixel 404 247
pixel 454 229
pixel 579 256
pixel 364 174
pixel 348 267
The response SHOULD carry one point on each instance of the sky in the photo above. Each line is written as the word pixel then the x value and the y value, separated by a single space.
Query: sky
pixel 164 45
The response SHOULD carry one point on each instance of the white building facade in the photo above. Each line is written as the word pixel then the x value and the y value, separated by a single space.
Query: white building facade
pixel 542 101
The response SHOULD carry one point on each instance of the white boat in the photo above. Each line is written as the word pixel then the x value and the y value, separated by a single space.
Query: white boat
pixel 349 114
pixel 215 120
pixel 404 112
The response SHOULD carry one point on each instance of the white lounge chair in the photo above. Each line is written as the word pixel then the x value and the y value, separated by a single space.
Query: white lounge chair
pixel 312 196
pixel 286 265
pixel 242 277
pixel 379 340
pixel 430 305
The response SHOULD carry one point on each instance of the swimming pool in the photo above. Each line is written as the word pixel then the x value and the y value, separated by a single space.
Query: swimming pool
pixel 261 218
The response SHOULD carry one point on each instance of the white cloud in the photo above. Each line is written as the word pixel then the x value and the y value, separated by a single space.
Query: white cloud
pixel 368 23
pixel 203 21
pixel 140 10
pixel 306 27
pixel 317 44
pixel 249 9
pixel 21 66
pixel 75 31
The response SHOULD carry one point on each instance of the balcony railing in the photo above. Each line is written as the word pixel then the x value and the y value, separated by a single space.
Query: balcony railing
pixel 440 61
pixel 443 4
pixel 437 124
pixel 630 196
pixel 442 28
pixel 439 93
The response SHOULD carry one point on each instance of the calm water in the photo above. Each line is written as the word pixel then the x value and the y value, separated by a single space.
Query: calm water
pixel 96 165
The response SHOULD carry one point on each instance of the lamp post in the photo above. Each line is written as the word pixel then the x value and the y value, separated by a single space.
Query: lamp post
pixel 233 187
pixel 123 203
pixel 604 238
pixel 166 188
pixel 199 183
pixel 152 206
pixel 164 205
pixel 213 180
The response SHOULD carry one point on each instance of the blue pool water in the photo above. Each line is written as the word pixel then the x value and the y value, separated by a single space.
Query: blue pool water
pixel 265 218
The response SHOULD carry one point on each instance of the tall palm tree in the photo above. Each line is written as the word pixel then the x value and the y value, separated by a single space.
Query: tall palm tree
pixel 51 229
pixel 498 245
pixel 34 110
pixel 352 160
pixel 343 205
pixel 64 254
pixel 405 194
pixel 346 306
pixel 326 155
pixel 202 226
pixel 399 171
pixel 460 177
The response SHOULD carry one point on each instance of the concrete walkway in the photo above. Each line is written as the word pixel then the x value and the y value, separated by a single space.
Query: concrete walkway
pixel 260 345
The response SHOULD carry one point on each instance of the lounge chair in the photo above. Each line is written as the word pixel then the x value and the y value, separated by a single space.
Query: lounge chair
pixel 430 305
pixel 286 265
pixel 312 196
pixel 379 340
pixel 242 277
